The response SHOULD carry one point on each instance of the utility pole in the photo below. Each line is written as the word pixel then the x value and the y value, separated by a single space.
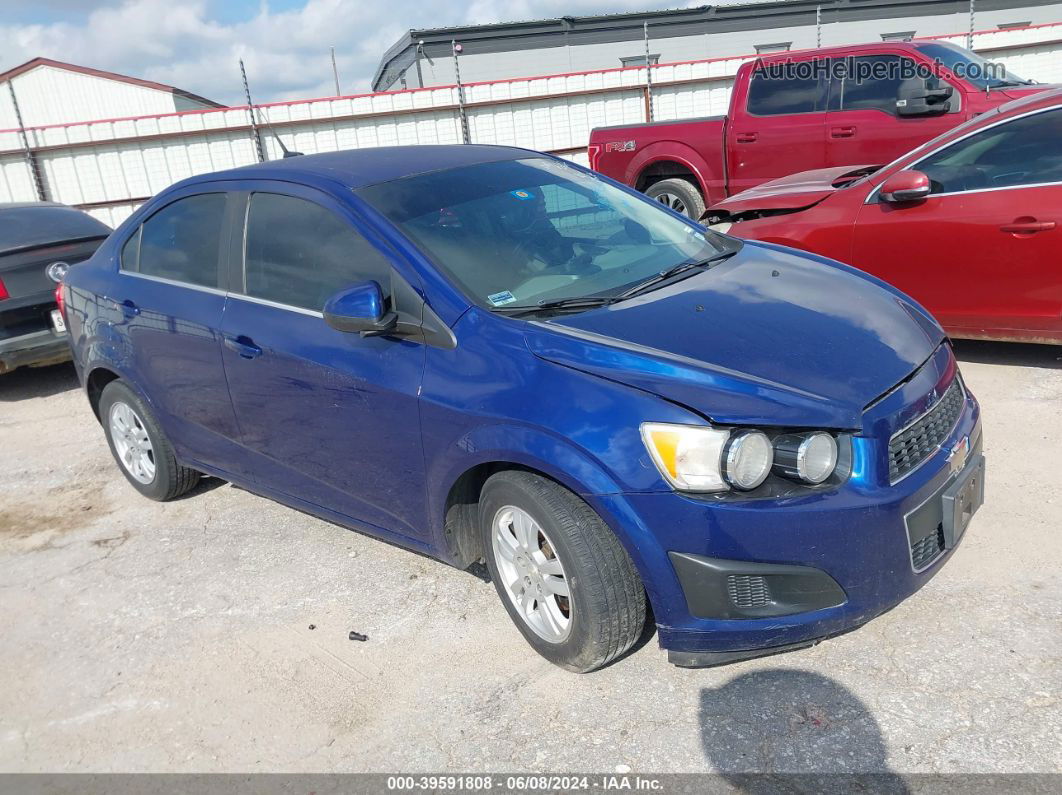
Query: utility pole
pixel 818 26
pixel 969 36
pixel 466 137
pixel 250 113
pixel 335 72
pixel 31 160
pixel 648 75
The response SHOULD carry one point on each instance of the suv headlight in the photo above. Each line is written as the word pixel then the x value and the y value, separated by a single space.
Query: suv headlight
pixel 702 458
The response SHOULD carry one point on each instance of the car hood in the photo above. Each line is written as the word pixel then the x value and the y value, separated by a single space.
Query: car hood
pixel 770 336
pixel 795 192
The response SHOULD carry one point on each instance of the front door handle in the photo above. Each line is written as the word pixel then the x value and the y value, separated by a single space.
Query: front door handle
pixel 847 131
pixel 746 137
pixel 1027 226
pixel 129 309
pixel 244 346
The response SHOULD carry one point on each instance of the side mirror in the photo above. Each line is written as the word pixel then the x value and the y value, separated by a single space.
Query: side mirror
pixel 905 186
pixel 361 309
pixel 915 97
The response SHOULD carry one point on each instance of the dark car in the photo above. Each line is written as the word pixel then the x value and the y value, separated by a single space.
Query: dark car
pixel 33 236
pixel 488 353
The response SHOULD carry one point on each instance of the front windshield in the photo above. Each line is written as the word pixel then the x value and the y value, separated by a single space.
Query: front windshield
pixel 971 67
pixel 525 232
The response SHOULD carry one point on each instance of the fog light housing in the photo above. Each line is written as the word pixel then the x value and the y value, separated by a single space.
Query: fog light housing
pixel 810 458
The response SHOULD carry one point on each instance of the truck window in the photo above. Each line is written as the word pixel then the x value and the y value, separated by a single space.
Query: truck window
pixel 775 91
pixel 871 84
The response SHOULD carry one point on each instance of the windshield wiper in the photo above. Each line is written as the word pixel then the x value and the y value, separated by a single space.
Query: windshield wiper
pixel 581 302
pixel 670 273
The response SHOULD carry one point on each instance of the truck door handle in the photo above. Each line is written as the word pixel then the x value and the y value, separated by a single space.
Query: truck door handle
pixel 846 131
pixel 746 138
pixel 244 346
pixel 1027 227
pixel 129 309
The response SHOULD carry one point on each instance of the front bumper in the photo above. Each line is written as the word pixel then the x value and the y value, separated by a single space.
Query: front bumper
pixel 36 348
pixel 845 555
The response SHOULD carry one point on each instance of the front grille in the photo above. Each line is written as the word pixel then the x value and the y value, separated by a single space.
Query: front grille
pixel 924 552
pixel 748 590
pixel 919 440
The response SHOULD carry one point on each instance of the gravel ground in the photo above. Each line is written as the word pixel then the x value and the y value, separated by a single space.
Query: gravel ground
pixel 176 637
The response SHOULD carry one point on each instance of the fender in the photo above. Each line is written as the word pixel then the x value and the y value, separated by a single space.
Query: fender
pixel 554 457
pixel 680 153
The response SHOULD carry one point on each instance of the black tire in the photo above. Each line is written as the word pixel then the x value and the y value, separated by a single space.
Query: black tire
pixel 607 600
pixel 171 479
pixel 680 195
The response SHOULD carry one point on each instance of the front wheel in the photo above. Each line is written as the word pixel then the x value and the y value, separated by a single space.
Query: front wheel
pixel 680 195
pixel 568 584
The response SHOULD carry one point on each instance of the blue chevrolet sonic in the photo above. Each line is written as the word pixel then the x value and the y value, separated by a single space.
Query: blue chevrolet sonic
pixel 486 353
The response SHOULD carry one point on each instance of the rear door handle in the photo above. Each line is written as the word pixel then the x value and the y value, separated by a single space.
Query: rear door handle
pixel 244 346
pixel 746 138
pixel 129 309
pixel 846 131
pixel 1027 227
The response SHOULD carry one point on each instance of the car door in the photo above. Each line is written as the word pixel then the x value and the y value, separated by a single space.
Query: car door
pixel 329 418
pixel 777 125
pixel 861 125
pixel 169 301
pixel 982 251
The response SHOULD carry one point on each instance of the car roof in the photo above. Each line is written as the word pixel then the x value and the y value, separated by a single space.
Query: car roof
pixel 358 168
pixel 25 225
pixel 848 49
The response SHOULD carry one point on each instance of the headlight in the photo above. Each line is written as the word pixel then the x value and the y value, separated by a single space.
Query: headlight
pixel 748 459
pixel 808 457
pixel 690 457
pixel 696 458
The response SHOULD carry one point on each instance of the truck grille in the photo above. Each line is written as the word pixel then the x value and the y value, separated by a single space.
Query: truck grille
pixel 748 590
pixel 919 440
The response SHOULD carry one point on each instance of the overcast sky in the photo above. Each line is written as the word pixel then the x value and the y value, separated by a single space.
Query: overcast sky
pixel 195 44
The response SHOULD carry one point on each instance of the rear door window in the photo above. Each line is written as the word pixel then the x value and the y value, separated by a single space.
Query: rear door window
pixel 786 88
pixel 300 253
pixel 182 241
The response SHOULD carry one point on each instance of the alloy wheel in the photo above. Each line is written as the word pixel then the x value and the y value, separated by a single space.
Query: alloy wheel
pixel 132 443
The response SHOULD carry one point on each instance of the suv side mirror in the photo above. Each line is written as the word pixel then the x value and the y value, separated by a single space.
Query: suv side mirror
pixel 905 186
pixel 914 97
pixel 361 309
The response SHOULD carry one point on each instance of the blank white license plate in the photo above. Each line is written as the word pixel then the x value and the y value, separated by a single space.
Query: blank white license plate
pixel 57 322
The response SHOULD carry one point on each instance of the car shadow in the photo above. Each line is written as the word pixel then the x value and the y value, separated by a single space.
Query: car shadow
pixel 27 383
pixel 786 730
pixel 1018 354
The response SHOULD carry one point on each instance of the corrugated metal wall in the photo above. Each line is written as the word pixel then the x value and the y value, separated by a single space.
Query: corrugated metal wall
pixel 110 167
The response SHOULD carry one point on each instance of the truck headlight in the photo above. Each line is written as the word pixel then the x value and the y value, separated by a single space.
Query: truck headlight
pixel 810 457
pixel 698 458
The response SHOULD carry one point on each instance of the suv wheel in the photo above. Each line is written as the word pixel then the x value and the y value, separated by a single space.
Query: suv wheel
pixel 680 195
pixel 142 451
pixel 567 582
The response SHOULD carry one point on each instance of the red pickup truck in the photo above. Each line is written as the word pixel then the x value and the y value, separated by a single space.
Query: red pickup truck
pixel 795 111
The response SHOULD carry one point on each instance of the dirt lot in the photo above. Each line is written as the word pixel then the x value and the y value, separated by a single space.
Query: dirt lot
pixel 176 637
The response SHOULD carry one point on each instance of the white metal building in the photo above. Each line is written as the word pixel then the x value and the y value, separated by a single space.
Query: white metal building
pixel 53 92
pixel 576 44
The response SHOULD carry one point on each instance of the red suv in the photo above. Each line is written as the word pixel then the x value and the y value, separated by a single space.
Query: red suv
pixel 967 223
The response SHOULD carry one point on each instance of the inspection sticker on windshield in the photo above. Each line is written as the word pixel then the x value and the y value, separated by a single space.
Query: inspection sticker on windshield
pixel 500 299
pixel 522 194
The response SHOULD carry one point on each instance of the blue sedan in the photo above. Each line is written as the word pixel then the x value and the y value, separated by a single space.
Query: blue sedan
pixel 486 353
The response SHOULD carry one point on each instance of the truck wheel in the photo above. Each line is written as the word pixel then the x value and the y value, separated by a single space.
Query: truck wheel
pixel 680 195
pixel 568 584
pixel 142 451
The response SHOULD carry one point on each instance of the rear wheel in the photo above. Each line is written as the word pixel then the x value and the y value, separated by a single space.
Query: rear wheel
pixel 566 581
pixel 680 195
pixel 142 451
